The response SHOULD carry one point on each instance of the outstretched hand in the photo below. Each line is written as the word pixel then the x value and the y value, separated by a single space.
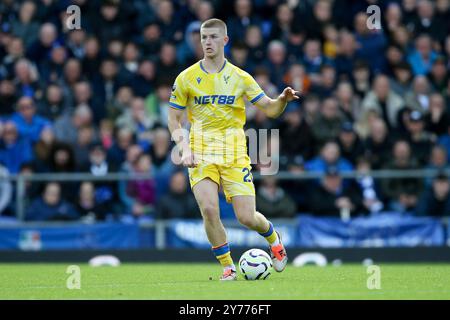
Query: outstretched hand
pixel 289 94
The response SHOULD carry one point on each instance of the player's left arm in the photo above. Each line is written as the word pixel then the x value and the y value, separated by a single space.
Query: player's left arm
pixel 274 107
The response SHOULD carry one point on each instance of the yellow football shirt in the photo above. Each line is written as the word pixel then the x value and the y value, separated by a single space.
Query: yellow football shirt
pixel 216 109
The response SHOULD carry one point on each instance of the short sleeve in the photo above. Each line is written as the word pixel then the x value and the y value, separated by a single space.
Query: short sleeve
pixel 252 89
pixel 179 95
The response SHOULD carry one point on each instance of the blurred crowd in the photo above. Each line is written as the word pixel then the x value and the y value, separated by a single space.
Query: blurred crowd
pixel 95 100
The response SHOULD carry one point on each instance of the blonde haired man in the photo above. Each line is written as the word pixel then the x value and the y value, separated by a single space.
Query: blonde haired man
pixel 212 91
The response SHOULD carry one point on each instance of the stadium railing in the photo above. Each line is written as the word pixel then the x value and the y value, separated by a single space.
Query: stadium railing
pixel 20 180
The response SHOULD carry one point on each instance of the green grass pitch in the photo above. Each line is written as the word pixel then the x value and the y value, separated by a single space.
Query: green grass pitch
pixel 191 281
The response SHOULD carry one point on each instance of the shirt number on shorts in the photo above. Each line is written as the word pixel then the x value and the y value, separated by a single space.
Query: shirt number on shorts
pixel 248 176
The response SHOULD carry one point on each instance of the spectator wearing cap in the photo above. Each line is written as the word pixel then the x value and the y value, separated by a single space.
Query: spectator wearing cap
pixel 383 100
pixel 273 200
pixel 435 200
pixel 402 193
pixel 423 56
pixel 349 143
pixel 29 124
pixel 331 196
pixel 419 139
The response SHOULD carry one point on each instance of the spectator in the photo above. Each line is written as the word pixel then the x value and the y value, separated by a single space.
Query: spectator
pixel 99 166
pixel 7 97
pixel 349 143
pixel 87 205
pixel 419 139
pixel 297 141
pixel 422 57
pixel 161 159
pixel 437 120
pixel 136 118
pixel 369 188
pixel 273 201
pixel 26 28
pixel 15 52
pixel 53 105
pixel 29 124
pixel 437 161
pixel 378 144
pixel 254 41
pixel 238 23
pixel 435 200
pixel 6 191
pixel 346 56
pixel 331 197
pixel 401 81
pixel 438 75
pixel 330 156
pixel 143 82
pixel 43 149
pixel 51 206
pixel 370 43
pixel 402 193
pixel 14 150
pixel 276 62
pixel 143 191
pixel 328 123
pixel 86 137
pixel 384 101
pixel 40 49
pixel 67 125
pixel 179 202
pixel 418 98
pixel 117 152
pixel 348 103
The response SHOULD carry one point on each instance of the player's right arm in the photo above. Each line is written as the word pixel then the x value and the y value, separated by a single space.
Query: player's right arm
pixel 178 101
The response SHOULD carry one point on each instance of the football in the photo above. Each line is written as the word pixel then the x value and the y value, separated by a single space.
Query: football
pixel 255 264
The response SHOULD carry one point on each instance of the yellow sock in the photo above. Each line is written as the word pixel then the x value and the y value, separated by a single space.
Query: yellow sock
pixel 270 235
pixel 223 254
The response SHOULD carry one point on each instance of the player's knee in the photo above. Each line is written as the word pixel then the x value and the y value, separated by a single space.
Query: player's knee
pixel 248 220
pixel 210 213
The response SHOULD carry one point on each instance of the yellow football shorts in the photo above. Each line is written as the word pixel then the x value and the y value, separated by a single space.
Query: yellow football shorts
pixel 236 179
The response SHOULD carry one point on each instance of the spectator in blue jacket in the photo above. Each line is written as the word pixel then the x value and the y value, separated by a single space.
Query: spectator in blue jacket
pixel 29 124
pixel 422 57
pixel 51 206
pixel 330 155
pixel 14 150
pixel 435 200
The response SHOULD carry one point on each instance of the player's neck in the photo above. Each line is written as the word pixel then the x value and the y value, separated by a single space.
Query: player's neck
pixel 213 65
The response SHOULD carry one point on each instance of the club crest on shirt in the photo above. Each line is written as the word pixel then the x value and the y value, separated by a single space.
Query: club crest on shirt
pixel 199 80
pixel 226 78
